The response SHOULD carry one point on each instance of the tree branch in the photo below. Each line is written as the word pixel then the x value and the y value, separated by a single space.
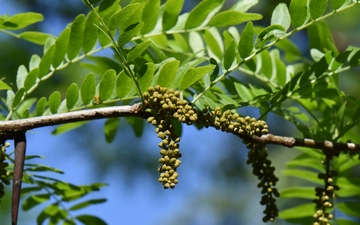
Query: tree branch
pixel 9 129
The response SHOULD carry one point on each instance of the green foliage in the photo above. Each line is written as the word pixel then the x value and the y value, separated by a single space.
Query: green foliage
pixel 198 53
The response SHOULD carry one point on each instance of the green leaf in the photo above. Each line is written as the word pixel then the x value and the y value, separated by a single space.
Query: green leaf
pixel 268 33
pixel 150 15
pixel 72 95
pixel 145 76
pixel 21 76
pixel 110 128
pixel 167 73
pixel 336 4
pixel 40 106
pixel 229 55
pixel 90 220
pixel 292 53
pixel 199 14
pixel 193 75
pixel 31 79
pixel 119 18
pixel 129 33
pixel 87 90
pixel 299 12
pixel 317 8
pixel 107 85
pixel 243 92
pixel 87 203
pixel 124 85
pixel 21 20
pixel 231 17
pixel 34 200
pixel 303 174
pixel 34 62
pixel 266 67
pixel 349 208
pixel 54 101
pixel 35 37
pixel 4 86
pixel 18 97
pixel 244 5
pixel 196 43
pixel 320 37
pixel 342 221
pixel 349 187
pixel 46 61
pixel 90 32
pixel 214 42
pixel 48 212
pixel 137 124
pixel 298 192
pixel 107 6
pixel 172 9
pixel 137 50
pixel 246 42
pixel 68 127
pixel 281 16
pixel 61 47
pixel 76 37
pixel 300 211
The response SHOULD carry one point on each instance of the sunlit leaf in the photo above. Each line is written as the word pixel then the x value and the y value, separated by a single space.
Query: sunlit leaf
pixel 90 33
pixel 40 106
pixel 107 85
pixel 4 86
pixel 229 55
pixel 87 91
pixel 171 12
pixel 246 41
pixel 317 8
pixel 129 33
pixel 300 211
pixel 18 97
pixel 167 73
pixel 243 92
pixel 298 192
pixel 231 17
pixel 107 6
pixel 35 37
pixel 76 37
pixel 31 78
pixel 145 75
pixel 150 15
pixel 299 12
pixel 281 16
pixel 72 95
pixel 119 18
pixel 303 174
pixel 54 101
pixel 61 47
pixel 124 85
pixel 136 51
pixel 198 15
pixel 21 20
pixel 193 75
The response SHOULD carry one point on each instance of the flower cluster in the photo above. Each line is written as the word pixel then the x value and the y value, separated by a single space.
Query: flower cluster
pixel 4 179
pixel 325 194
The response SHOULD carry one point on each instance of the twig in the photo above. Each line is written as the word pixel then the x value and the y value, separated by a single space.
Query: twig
pixel 9 129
